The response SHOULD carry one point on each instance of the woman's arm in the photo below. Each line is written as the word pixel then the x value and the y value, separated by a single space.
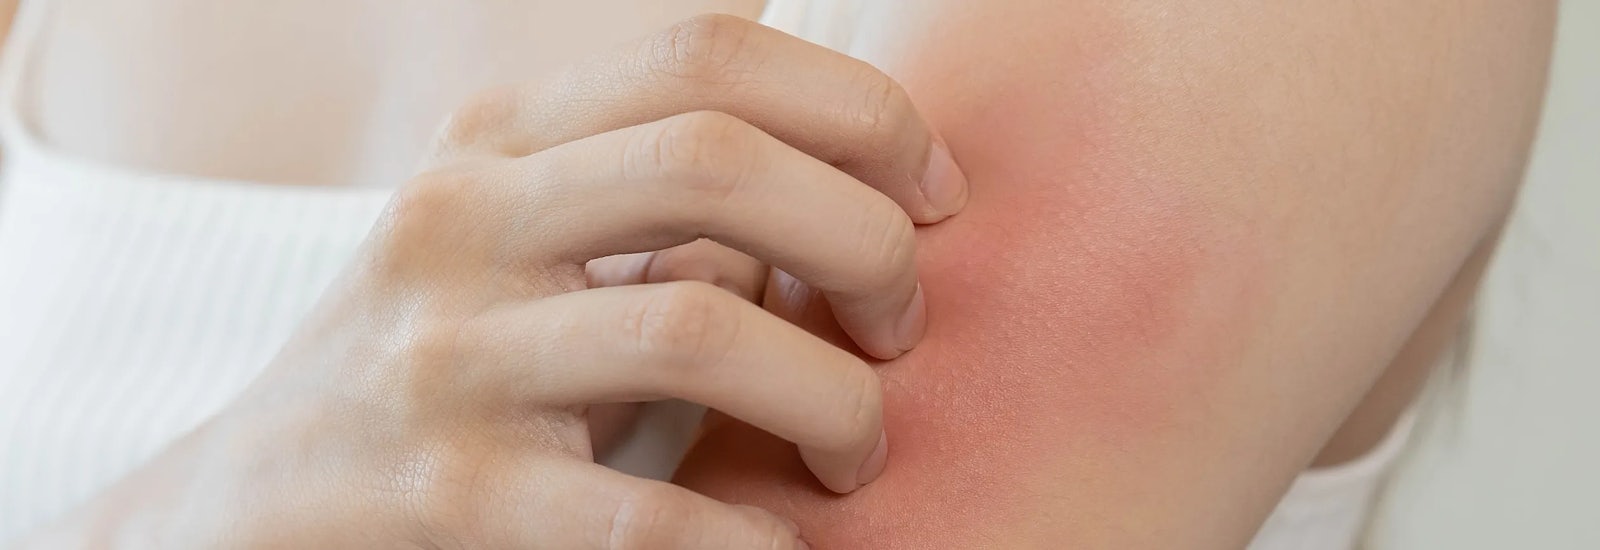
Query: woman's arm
pixel 1196 233
pixel 8 11
pixel 439 394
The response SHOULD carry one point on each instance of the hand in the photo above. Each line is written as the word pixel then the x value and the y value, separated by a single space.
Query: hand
pixel 437 398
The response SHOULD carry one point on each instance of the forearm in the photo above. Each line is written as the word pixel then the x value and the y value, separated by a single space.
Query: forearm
pixel 1194 239
pixel 232 482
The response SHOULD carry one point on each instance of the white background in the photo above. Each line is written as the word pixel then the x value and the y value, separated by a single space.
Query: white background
pixel 1512 459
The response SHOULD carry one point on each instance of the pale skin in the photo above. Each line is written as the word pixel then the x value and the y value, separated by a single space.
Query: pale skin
pixel 440 394
pixel 1287 187
pixel 1239 231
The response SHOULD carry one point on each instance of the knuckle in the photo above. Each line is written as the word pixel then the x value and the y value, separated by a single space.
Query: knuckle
pixel 426 210
pixel 448 495
pixel 467 344
pixel 434 373
pixel 485 118
pixel 885 108
pixel 889 243
pixel 434 351
pixel 860 409
pixel 686 324
pixel 467 218
pixel 704 152
pixel 684 263
pixel 645 520
pixel 703 48
pixel 433 197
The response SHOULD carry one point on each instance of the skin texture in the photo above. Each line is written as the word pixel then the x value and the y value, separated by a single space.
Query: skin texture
pixel 1441 340
pixel 438 395
pixel 1131 135
pixel 1007 418
pixel 1196 236
pixel 200 132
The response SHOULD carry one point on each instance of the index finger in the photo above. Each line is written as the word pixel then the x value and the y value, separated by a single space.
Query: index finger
pixel 826 104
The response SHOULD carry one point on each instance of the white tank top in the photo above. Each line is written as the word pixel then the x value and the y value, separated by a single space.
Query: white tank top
pixel 134 305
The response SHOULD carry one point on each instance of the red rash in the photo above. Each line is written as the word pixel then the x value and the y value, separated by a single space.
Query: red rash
pixel 1062 325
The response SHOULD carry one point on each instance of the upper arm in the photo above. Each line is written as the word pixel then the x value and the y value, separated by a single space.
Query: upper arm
pixel 8 13
pixel 1196 233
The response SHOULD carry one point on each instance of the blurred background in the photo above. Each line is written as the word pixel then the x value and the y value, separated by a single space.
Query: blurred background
pixel 1511 458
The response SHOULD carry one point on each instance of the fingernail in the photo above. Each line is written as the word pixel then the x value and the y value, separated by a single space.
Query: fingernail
pixel 793 527
pixel 801 545
pixel 943 184
pixel 875 461
pixel 912 323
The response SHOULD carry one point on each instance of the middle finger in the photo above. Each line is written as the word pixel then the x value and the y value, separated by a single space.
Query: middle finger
pixel 712 175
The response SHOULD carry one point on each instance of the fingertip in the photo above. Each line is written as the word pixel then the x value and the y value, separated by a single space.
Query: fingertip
pixel 834 475
pixel 888 341
pixel 944 185
pixel 912 324
pixel 866 471
pixel 873 466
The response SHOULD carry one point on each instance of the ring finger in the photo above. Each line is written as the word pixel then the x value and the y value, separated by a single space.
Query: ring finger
pixel 691 341
pixel 708 174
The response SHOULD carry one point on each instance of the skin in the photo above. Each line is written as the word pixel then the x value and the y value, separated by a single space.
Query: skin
pixel 1192 247
pixel 439 395
pixel 1435 338
pixel 115 131
pixel 1118 135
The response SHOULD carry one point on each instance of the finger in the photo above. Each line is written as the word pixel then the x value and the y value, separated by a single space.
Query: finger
pixel 559 503
pixel 702 260
pixel 609 424
pixel 827 104
pixel 690 341
pixel 708 174
pixel 794 301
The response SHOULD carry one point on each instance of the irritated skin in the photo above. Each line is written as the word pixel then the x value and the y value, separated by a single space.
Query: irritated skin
pixel 1192 242
pixel 1046 310
pixel 1056 300
pixel 975 409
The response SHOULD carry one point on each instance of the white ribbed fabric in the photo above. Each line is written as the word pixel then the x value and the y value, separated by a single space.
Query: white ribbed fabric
pixel 1329 508
pixel 131 311
pixel 134 305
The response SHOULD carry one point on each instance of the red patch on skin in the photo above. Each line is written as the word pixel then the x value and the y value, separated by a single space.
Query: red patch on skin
pixel 1053 303
pixel 1062 322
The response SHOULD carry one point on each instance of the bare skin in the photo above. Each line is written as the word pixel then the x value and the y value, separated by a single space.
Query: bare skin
pixel 1371 416
pixel 1394 392
pixel 1368 422
pixel 439 395
pixel 1194 245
